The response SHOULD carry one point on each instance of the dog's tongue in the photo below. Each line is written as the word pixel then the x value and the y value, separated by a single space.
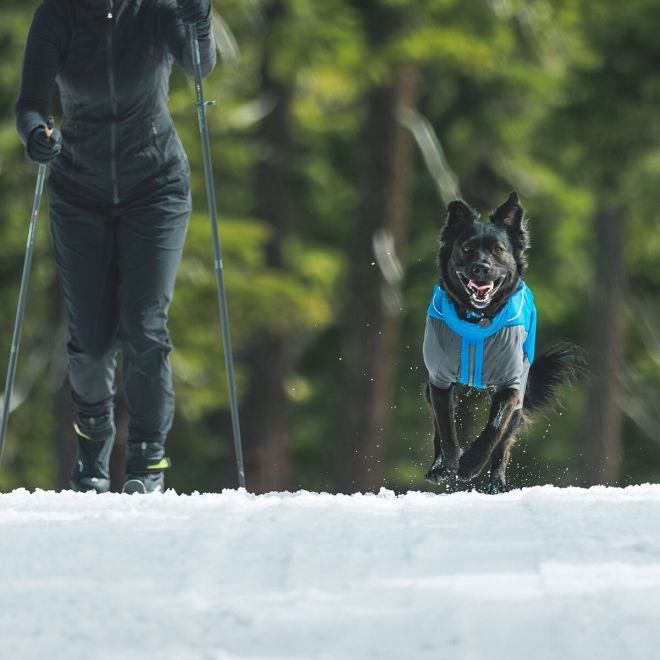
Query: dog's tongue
pixel 483 288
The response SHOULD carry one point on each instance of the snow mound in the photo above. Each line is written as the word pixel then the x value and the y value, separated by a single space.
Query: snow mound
pixel 532 574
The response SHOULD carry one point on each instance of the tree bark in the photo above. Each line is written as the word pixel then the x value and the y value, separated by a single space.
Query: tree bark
pixel 372 321
pixel 603 415
pixel 266 423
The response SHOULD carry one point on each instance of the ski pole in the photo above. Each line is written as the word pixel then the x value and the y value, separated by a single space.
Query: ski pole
pixel 22 295
pixel 222 296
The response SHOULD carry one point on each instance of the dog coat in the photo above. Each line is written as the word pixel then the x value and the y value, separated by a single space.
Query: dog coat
pixel 493 355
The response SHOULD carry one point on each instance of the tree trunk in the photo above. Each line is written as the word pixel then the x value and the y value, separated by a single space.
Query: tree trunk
pixel 372 321
pixel 265 421
pixel 603 415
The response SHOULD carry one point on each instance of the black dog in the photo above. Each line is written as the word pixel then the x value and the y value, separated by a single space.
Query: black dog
pixel 480 332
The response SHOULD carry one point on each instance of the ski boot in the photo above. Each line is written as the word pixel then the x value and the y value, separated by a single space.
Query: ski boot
pixel 144 468
pixel 95 437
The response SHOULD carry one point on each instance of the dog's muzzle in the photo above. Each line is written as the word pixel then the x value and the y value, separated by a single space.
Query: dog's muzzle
pixel 481 292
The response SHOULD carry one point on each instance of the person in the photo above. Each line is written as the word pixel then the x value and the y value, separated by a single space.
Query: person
pixel 119 204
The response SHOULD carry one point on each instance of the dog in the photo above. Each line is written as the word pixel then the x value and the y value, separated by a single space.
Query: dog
pixel 481 332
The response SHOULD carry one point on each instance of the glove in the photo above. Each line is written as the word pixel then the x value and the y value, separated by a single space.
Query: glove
pixel 194 11
pixel 41 148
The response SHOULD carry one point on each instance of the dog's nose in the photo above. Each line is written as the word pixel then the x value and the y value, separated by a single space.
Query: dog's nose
pixel 479 270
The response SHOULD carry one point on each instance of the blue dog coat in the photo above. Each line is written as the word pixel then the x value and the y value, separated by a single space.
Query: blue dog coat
pixel 495 357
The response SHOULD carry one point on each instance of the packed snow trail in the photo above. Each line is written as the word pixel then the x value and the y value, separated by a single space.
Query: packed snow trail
pixel 532 574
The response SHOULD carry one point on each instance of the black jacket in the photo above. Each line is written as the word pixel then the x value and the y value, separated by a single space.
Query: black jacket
pixel 111 60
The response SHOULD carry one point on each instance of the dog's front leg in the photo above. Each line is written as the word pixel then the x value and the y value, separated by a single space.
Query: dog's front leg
pixel 445 444
pixel 474 460
pixel 501 454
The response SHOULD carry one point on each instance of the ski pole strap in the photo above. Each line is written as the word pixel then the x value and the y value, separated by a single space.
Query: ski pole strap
pixel 140 465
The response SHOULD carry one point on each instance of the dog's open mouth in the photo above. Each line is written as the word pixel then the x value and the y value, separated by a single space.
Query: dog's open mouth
pixel 481 292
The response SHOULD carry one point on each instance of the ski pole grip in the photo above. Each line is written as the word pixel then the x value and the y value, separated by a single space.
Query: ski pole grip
pixel 49 126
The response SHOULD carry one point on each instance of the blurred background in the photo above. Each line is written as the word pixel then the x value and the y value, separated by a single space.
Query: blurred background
pixel 342 129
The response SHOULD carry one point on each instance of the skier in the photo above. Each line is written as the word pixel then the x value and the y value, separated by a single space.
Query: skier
pixel 119 206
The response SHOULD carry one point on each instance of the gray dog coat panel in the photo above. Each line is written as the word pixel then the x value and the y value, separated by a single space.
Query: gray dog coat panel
pixel 495 357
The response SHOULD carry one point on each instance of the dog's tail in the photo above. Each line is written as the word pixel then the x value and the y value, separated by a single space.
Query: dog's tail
pixel 558 366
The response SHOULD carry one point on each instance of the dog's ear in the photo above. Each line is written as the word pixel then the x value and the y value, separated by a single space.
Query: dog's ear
pixel 509 216
pixel 459 213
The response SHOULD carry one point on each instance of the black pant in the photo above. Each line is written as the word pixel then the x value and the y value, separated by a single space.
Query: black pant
pixel 117 267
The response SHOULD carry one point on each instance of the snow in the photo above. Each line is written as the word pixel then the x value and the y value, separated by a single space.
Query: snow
pixel 532 574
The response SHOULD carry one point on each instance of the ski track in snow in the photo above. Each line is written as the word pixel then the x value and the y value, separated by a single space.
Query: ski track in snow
pixel 539 573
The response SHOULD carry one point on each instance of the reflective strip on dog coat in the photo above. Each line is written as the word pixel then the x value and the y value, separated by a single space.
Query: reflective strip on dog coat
pixel 495 357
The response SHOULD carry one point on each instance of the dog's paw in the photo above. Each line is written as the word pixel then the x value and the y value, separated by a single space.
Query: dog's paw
pixel 439 472
pixel 472 463
pixel 497 484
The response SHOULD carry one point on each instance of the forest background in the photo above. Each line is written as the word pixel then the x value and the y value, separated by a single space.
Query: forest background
pixel 342 128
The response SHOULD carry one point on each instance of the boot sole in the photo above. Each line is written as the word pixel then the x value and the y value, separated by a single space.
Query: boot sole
pixel 90 485
pixel 134 486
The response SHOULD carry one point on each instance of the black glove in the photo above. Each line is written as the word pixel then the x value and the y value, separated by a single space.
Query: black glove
pixel 41 148
pixel 192 12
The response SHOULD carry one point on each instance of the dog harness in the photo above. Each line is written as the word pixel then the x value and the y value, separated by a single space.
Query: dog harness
pixel 491 353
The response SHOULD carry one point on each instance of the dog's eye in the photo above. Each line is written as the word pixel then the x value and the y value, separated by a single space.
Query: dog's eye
pixel 466 248
pixel 498 249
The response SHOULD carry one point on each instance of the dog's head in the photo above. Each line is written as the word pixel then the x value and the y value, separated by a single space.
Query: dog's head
pixel 481 263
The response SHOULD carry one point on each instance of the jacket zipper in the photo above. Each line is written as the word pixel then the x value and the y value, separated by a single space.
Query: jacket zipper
pixel 113 104
pixel 471 377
